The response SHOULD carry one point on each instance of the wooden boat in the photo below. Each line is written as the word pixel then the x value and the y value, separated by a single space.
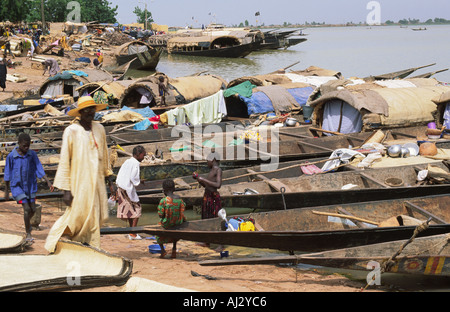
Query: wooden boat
pixel 71 266
pixel 211 46
pixel 290 144
pixel 399 74
pixel 319 189
pixel 146 57
pixel 280 39
pixel 423 256
pixel 315 229
pixel 11 241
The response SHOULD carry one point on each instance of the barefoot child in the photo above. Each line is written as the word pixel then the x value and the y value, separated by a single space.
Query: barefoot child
pixel 129 207
pixel 22 168
pixel 211 198
pixel 171 211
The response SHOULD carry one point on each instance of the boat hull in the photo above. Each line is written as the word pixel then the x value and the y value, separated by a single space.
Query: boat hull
pixel 303 230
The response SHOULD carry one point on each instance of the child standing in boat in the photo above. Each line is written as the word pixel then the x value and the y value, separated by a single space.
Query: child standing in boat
pixel 162 90
pixel 22 168
pixel 211 198
pixel 171 213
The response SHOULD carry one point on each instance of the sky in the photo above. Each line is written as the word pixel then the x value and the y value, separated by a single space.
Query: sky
pixel 194 13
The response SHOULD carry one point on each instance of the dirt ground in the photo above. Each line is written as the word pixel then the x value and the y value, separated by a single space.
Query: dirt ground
pixel 35 77
pixel 177 272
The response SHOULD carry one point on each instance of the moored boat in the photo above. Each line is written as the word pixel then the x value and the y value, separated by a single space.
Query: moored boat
pixel 142 55
pixel 211 46
pixel 318 228
pixel 423 256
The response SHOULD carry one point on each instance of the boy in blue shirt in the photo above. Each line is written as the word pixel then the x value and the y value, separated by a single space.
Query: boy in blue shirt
pixel 22 168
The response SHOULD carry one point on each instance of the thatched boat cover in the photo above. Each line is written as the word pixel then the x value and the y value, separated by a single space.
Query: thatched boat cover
pixel 182 90
pixel 311 76
pixel 116 88
pixel 192 88
pixel 442 117
pixel 132 47
pixel 71 266
pixel 201 41
pixel 58 84
pixel 11 242
pixel 386 103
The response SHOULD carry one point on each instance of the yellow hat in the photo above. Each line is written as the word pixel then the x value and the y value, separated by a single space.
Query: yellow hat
pixel 85 102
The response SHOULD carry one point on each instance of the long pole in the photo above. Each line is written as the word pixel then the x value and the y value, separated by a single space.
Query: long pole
pixel 43 17
pixel 146 16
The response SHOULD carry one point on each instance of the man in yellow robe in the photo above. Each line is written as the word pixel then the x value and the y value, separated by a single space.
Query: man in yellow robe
pixel 81 173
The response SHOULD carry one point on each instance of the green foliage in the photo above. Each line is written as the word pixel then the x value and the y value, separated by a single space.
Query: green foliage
pixel 141 16
pixel 56 10
pixel 14 10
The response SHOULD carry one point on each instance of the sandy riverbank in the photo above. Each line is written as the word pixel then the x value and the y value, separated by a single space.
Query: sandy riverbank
pixel 228 279
pixel 177 272
pixel 35 77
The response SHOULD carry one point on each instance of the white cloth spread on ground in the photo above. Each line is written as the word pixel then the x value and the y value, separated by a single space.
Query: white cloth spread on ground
pixel 129 177
pixel 83 165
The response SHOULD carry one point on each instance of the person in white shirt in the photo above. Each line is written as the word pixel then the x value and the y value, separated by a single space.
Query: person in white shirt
pixel 129 207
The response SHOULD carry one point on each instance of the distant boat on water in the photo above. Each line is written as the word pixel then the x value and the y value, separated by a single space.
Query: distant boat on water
pixel 418 29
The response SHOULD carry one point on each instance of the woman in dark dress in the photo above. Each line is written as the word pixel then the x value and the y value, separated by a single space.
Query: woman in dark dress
pixel 3 72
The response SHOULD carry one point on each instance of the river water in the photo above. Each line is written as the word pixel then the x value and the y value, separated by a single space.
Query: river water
pixel 357 51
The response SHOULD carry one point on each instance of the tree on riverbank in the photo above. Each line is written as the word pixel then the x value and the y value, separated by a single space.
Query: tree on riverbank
pixel 57 11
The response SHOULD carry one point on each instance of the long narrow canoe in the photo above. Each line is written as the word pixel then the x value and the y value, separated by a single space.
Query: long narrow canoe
pixel 319 189
pixel 423 256
pixel 72 266
pixel 317 228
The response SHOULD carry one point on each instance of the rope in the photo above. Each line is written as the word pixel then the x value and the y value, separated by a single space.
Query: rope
pixel 387 265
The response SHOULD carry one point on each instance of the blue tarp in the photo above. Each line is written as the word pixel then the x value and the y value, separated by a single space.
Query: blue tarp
pixel 142 125
pixel 259 102
pixel 146 112
pixel 301 95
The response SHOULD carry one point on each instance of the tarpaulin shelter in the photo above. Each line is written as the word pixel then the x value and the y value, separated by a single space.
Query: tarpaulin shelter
pixel 442 117
pixel 181 90
pixel 277 92
pixel 68 82
pixel 348 106
pixel 113 88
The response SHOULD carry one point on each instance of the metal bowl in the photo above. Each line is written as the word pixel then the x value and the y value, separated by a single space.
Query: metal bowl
pixel 291 122
pixel 395 150
pixel 413 148
pixel 405 152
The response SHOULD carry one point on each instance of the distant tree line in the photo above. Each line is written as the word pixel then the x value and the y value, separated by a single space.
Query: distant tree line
pixel 409 21
pixel 56 11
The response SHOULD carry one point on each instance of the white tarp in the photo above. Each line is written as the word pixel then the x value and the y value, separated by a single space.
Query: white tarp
pixel 350 121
